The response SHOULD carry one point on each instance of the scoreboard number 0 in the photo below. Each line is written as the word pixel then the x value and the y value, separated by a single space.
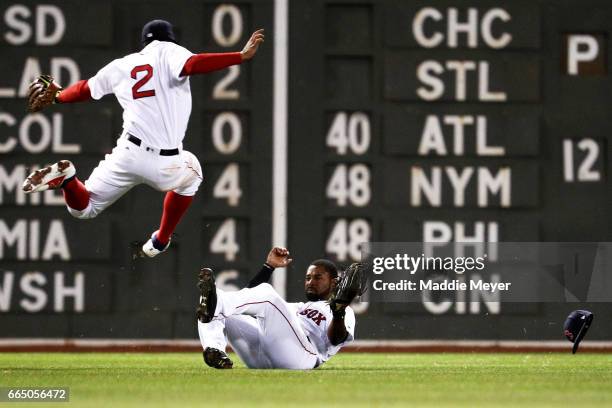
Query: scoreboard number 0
pixel 222 120
pixel 222 12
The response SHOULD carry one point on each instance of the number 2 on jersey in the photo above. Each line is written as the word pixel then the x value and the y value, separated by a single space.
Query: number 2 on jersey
pixel 136 94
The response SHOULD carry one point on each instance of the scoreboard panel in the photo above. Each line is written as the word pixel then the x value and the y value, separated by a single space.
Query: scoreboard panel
pixel 83 274
pixel 407 121
pixel 448 121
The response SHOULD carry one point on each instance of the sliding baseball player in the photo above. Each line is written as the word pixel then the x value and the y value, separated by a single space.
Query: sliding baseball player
pixel 268 332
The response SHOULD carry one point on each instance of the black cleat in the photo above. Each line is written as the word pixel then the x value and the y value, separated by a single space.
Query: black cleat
pixel 217 359
pixel 208 296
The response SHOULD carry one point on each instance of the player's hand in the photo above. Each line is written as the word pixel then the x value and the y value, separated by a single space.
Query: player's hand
pixel 252 45
pixel 278 257
pixel 42 93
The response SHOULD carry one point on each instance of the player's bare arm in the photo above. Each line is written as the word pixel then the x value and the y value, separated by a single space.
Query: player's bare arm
pixel 251 47
pixel 278 257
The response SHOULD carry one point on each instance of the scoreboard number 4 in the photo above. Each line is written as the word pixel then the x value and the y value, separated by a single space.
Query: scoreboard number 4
pixel 225 242
pixel 228 185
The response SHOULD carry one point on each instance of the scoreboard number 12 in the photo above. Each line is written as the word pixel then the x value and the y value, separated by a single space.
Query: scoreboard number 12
pixel 587 169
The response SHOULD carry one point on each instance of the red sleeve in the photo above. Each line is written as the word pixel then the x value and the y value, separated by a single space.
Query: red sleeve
pixel 76 92
pixel 203 63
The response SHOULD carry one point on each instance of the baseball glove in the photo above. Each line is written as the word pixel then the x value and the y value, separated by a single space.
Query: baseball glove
pixel 351 284
pixel 42 93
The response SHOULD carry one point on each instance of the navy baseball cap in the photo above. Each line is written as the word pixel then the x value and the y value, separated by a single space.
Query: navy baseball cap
pixel 160 30
pixel 576 326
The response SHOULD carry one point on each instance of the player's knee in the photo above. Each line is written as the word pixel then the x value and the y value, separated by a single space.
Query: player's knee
pixel 193 186
pixel 265 286
pixel 87 213
pixel 269 290
pixel 193 179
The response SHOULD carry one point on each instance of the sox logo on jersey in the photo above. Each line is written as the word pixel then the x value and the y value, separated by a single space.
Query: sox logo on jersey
pixel 314 315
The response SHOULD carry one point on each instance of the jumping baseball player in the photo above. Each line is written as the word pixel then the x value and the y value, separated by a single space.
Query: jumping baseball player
pixel 267 332
pixel 152 87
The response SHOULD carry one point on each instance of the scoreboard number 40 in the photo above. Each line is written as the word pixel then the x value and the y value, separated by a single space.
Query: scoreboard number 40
pixel 349 132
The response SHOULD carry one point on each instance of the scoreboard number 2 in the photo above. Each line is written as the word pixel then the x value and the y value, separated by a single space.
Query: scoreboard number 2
pixel 221 91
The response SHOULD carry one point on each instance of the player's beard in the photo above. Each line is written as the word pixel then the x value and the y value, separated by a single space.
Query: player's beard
pixel 313 297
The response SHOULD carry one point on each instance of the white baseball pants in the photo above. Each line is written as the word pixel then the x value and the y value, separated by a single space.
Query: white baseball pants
pixel 129 165
pixel 261 327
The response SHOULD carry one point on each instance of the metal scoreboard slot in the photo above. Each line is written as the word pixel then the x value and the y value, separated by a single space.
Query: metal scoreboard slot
pixel 402 121
pixel 236 213
pixel 442 119
pixel 229 225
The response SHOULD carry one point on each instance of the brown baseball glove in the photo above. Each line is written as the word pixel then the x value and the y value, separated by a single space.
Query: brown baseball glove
pixel 42 93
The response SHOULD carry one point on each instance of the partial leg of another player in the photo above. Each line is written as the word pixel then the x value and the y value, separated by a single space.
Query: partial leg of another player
pixel 51 177
pixel 125 167
pixel 182 176
pixel 112 178
pixel 82 200
pixel 175 206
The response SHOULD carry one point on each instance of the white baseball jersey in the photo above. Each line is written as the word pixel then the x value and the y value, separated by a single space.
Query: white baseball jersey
pixel 156 100
pixel 315 318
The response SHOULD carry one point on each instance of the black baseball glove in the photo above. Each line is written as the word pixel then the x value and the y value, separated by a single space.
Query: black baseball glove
pixel 351 284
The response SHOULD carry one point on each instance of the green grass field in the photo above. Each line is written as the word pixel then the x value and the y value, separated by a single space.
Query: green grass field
pixel 110 379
